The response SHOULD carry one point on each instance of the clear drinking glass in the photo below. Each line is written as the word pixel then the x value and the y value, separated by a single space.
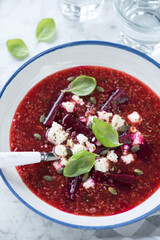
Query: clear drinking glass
pixel 81 10
pixel 139 23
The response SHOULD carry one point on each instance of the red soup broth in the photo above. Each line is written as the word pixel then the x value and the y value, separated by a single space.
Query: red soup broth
pixel 98 199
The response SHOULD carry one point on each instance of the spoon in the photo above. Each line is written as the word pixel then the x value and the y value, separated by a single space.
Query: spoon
pixel 9 159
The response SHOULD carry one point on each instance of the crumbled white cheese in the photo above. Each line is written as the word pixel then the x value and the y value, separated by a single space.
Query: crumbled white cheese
pixel 90 119
pixel 101 165
pixel 89 183
pixel 112 156
pixel 82 119
pixel 60 150
pixel 68 106
pixel 91 147
pixel 134 117
pixel 78 147
pixel 63 161
pixel 82 139
pixel 117 121
pixel 78 100
pixel 128 158
pixel 57 165
pixel 56 134
pixel 105 115
pixel 98 143
pixel 70 143
pixel 137 138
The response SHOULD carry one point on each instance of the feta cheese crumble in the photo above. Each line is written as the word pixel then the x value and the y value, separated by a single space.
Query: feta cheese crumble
pixel 56 134
pixel 117 121
pixel 101 165
pixel 104 115
pixel 68 106
pixel 91 147
pixel 128 158
pixel 89 183
pixel 63 161
pixel 60 150
pixel 82 139
pixel 134 117
pixel 137 138
pixel 78 100
pixel 112 156
pixel 57 165
pixel 90 119
pixel 78 147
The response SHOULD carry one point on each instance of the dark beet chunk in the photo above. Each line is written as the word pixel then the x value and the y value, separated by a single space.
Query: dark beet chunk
pixel 145 151
pixel 99 150
pixel 71 123
pixel 54 110
pixel 124 179
pixel 125 138
pixel 118 97
pixel 99 176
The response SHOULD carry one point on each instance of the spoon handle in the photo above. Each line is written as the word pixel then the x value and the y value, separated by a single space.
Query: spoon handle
pixel 9 159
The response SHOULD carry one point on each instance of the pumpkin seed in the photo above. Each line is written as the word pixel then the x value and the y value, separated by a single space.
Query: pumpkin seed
pixel 69 151
pixel 104 152
pixel 100 89
pixel 37 136
pixel 112 190
pixel 93 100
pixel 85 176
pixel 124 128
pixel 90 125
pixel 48 178
pixel 70 79
pixel 112 169
pixel 135 148
pixel 42 118
pixel 138 171
pixel 60 170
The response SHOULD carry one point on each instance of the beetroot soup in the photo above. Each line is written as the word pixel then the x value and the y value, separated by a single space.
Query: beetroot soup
pixel 105 129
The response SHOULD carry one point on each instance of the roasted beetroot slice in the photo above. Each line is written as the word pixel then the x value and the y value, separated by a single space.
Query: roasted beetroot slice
pixel 54 110
pixel 145 151
pixel 124 179
pixel 71 123
pixel 125 138
pixel 73 187
pixel 118 97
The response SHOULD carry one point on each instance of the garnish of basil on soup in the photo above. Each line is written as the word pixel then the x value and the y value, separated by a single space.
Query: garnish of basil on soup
pixel 105 133
pixel 80 163
pixel 82 85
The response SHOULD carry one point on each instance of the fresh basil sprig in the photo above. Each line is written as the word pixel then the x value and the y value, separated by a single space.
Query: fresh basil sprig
pixel 105 133
pixel 80 163
pixel 82 86
pixel 17 48
pixel 45 30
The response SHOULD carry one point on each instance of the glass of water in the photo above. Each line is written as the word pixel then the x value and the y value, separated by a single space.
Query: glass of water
pixel 139 23
pixel 81 10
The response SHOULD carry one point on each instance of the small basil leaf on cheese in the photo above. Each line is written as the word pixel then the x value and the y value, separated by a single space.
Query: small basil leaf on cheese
pixel 82 86
pixel 80 163
pixel 45 30
pixel 105 133
pixel 17 48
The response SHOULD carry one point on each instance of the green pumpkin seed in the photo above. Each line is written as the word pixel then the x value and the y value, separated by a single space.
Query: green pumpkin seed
pixel 42 118
pixel 100 89
pixel 90 125
pixel 37 136
pixel 70 79
pixel 112 169
pixel 69 151
pixel 112 190
pixel 138 171
pixel 85 177
pixel 104 152
pixel 135 148
pixel 48 178
pixel 124 128
pixel 93 100
pixel 60 170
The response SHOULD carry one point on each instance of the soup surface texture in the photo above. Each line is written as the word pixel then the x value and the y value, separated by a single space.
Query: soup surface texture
pixel 122 177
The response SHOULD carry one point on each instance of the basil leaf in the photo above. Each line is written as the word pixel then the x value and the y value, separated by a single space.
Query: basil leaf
pixel 82 86
pixel 45 30
pixel 80 163
pixel 17 48
pixel 105 133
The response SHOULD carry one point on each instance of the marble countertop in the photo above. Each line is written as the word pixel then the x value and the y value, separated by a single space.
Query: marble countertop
pixel 19 19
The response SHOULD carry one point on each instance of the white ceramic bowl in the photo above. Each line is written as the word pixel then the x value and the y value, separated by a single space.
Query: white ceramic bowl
pixel 50 61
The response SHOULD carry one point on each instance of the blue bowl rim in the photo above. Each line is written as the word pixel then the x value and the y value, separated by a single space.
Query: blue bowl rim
pixel 65 45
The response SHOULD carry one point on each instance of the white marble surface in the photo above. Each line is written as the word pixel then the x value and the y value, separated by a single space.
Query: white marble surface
pixel 18 20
